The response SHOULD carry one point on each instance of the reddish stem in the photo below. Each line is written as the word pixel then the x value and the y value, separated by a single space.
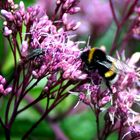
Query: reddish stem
pixel 113 13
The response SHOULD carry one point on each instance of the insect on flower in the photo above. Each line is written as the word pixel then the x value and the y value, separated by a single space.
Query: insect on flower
pixel 107 66
pixel 35 53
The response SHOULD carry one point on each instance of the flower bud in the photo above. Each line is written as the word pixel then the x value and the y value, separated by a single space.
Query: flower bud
pixel 1 88
pixel 7 31
pixel 3 81
pixel 65 18
pixel 24 48
pixel 7 90
pixel 74 10
pixel 7 15
pixel 58 1
pixel 22 7
pixel 10 1
pixel 34 73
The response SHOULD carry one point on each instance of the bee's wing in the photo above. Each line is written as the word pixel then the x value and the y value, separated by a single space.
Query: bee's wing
pixel 121 66
pixel 108 66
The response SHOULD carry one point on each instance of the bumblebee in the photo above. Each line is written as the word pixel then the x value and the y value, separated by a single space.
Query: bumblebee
pixel 96 59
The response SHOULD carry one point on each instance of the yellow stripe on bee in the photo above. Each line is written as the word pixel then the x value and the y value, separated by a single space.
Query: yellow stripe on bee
pixel 111 71
pixel 90 56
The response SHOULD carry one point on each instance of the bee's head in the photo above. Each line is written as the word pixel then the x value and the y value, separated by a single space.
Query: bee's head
pixel 84 56
pixel 90 58
pixel 85 59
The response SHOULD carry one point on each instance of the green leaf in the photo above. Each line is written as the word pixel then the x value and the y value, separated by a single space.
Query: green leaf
pixel 80 126
pixel 113 136
pixel 107 38
pixel 20 127
pixel 26 2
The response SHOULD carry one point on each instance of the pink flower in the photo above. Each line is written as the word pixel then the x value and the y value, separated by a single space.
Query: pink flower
pixel 7 15
pixel 95 15
pixel 4 90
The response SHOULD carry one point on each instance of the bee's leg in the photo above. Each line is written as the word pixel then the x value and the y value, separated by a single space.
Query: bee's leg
pixel 111 95
pixel 109 87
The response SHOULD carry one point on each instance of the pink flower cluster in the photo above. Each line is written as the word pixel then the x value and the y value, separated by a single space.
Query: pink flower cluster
pixel 47 50
pixel 4 90
pixel 59 51
pixel 126 92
